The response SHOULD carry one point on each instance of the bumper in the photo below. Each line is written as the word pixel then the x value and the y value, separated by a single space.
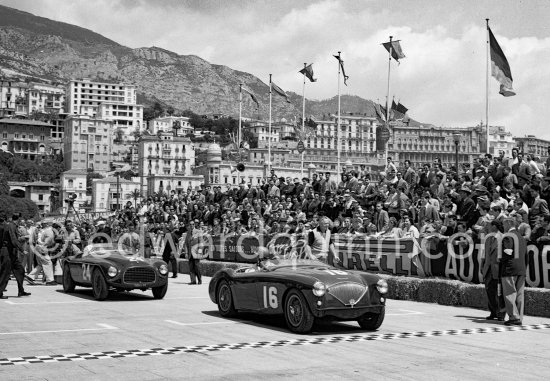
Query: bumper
pixel 346 313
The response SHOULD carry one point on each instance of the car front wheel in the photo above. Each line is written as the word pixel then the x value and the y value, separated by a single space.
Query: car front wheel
pixel 372 321
pixel 160 291
pixel 299 318
pixel 100 288
pixel 225 300
pixel 68 283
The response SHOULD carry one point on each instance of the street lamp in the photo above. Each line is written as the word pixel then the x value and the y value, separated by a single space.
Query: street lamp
pixel 456 139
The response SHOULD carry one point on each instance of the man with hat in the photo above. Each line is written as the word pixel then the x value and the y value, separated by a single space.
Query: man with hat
pixel 9 262
pixel 466 207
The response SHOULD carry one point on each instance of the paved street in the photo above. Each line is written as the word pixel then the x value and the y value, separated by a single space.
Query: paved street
pixel 55 336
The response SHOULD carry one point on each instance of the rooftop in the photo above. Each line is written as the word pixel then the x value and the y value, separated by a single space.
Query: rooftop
pixel 25 122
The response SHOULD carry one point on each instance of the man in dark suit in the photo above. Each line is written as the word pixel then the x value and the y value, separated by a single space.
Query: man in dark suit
pixel 9 262
pixel 513 270
pixel 490 271
pixel 193 248
pixel 381 217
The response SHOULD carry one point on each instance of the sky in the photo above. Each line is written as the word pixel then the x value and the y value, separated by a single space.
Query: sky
pixel 442 80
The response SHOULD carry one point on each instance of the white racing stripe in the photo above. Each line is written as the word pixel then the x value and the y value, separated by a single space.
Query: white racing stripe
pixel 103 327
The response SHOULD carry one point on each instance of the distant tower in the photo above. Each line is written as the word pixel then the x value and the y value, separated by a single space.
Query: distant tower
pixel 213 161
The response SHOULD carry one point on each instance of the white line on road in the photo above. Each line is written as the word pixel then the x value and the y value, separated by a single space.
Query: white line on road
pixel 188 297
pixel 103 328
pixel 407 312
pixel 207 323
pixel 67 302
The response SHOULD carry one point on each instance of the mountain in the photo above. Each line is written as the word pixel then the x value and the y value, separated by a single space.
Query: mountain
pixel 38 47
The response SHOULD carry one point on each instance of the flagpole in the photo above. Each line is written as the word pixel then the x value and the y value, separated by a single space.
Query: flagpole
pixel 338 126
pixel 240 115
pixel 303 118
pixel 269 130
pixel 487 89
pixel 387 102
pixel 239 135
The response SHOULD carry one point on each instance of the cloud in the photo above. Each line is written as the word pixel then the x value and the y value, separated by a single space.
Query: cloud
pixel 441 81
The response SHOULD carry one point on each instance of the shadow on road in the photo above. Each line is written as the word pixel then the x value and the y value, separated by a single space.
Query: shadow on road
pixel 277 323
pixel 479 320
pixel 114 296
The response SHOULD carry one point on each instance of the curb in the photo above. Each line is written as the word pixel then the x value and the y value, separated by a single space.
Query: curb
pixel 427 290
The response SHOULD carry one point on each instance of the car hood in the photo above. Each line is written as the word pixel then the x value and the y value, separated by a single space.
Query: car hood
pixel 122 260
pixel 327 275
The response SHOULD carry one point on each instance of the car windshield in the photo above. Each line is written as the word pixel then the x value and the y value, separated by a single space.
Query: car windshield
pixel 274 262
pixel 105 250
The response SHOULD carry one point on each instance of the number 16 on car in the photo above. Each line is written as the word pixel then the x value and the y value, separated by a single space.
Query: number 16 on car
pixel 270 297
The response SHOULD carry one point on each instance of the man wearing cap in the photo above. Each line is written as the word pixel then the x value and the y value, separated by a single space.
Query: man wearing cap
pixel 466 207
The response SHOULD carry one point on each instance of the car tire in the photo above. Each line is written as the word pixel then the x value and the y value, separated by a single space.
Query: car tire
pixel 100 288
pixel 372 321
pixel 298 316
pixel 68 282
pixel 160 291
pixel 225 299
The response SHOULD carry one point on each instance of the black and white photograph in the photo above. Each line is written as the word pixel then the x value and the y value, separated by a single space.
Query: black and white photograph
pixel 274 189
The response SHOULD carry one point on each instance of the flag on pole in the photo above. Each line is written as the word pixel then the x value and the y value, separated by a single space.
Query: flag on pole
pixel 393 105
pixel 280 91
pixel 341 61
pixel 391 114
pixel 402 109
pixel 254 99
pixel 396 51
pixel 378 109
pixel 308 72
pixel 500 69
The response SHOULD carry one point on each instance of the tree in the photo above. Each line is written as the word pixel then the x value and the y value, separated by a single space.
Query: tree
pixel 89 177
pixel 170 110
pixel 119 136
pixel 136 194
pixel 127 175
pixel 176 127
pixel 4 187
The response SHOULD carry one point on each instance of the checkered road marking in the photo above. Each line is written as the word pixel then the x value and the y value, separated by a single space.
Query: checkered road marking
pixel 260 344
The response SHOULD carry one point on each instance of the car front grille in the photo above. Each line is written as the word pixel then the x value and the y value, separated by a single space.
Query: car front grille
pixel 348 294
pixel 139 275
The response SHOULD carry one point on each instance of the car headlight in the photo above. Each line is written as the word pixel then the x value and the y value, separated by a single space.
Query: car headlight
pixel 319 289
pixel 382 286
pixel 163 269
pixel 112 271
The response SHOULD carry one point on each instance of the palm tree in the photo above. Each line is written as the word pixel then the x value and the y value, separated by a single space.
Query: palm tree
pixel 135 194
pixel 176 127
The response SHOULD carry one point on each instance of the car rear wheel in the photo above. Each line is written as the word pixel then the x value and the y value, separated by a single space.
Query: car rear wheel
pixel 100 288
pixel 160 291
pixel 68 283
pixel 225 300
pixel 372 321
pixel 299 318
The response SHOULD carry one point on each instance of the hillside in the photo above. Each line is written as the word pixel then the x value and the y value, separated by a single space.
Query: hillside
pixel 39 47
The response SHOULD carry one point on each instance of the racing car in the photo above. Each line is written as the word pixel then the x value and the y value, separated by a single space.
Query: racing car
pixel 303 290
pixel 105 268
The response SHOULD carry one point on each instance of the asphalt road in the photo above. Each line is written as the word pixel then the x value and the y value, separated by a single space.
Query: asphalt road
pixel 55 336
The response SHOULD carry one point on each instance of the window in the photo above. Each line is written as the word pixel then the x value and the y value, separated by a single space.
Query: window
pixel 40 197
pixel 16 135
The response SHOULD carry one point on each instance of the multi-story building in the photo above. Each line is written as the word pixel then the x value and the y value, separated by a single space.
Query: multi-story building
pixel 105 195
pixel 73 182
pixel 423 144
pixel 13 93
pixel 500 140
pixel 260 130
pixel 112 101
pixel 167 123
pixel 357 135
pixel 530 144
pixel 45 98
pixel 38 191
pixel 29 139
pixel 166 162
pixel 87 143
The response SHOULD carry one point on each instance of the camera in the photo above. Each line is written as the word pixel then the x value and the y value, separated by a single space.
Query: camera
pixel 70 199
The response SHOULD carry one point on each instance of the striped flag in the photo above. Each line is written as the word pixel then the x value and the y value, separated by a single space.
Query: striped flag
pixel 280 91
pixel 500 69
pixel 308 72
pixel 396 51
pixel 254 99
pixel 341 61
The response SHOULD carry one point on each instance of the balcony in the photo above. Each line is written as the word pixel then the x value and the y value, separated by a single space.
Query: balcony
pixel 26 139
